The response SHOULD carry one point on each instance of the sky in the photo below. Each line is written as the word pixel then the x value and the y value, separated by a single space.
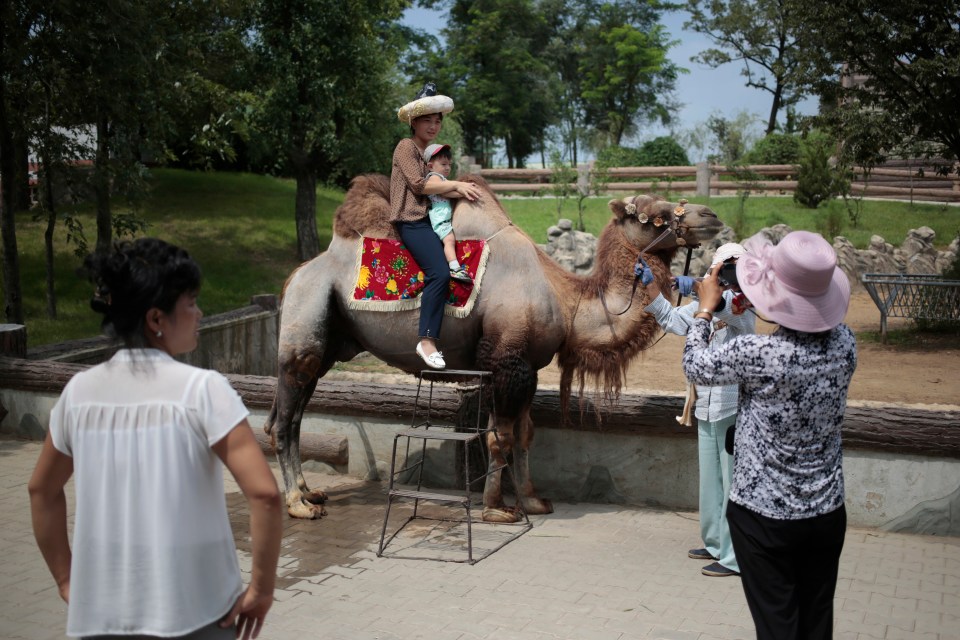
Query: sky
pixel 703 91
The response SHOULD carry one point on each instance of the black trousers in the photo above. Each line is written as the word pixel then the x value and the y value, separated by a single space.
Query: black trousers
pixel 789 571
pixel 427 249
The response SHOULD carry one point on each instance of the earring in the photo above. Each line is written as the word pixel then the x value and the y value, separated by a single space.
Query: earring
pixel 159 334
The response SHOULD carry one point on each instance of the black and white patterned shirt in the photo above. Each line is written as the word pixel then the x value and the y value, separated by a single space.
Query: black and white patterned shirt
pixel 793 393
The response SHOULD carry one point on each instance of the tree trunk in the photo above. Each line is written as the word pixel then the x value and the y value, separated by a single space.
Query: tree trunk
pixel 574 138
pixel 308 240
pixel 21 156
pixel 775 108
pixel 101 181
pixel 48 202
pixel 12 294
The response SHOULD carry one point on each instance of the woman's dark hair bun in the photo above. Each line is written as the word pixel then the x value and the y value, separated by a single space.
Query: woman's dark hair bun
pixel 135 277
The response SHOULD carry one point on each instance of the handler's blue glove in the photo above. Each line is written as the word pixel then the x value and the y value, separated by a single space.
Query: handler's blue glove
pixel 684 284
pixel 643 270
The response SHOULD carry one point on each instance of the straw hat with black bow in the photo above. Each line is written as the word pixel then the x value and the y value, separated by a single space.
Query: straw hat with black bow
pixel 427 101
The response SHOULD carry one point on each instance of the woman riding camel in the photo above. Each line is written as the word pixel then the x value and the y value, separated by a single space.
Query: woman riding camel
pixel 409 206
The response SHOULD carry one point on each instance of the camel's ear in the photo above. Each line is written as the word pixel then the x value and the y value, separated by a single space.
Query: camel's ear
pixel 629 207
pixel 618 207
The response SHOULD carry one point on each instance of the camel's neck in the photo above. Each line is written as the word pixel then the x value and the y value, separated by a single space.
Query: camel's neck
pixel 606 323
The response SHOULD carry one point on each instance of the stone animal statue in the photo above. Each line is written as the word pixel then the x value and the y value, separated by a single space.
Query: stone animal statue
pixel 528 311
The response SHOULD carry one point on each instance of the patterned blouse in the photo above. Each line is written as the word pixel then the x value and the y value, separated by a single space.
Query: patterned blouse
pixel 407 179
pixel 793 393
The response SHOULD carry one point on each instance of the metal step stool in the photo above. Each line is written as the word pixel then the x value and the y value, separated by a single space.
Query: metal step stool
pixel 426 430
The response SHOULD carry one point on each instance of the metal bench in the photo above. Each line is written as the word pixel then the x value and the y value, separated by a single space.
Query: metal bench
pixel 919 296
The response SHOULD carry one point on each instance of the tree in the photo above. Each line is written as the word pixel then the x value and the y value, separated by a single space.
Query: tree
pixel 816 179
pixel 626 76
pixel 761 34
pixel 15 19
pixel 731 137
pixel 775 148
pixel 663 151
pixel 497 76
pixel 324 90
pixel 899 60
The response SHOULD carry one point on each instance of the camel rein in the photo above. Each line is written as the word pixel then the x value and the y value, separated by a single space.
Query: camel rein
pixel 638 271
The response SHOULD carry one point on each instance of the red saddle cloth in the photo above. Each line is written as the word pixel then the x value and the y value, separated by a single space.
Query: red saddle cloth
pixel 389 279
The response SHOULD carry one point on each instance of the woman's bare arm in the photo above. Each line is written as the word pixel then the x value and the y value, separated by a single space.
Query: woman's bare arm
pixel 48 509
pixel 240 453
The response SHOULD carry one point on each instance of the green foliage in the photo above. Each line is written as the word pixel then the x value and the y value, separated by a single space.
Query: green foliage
pixel 903 68
pixel 730 137
pixel 617 156
pixel 761 35
pixel 626 75
pixel 830 224
pixel 237 226
pixel 500 82
pixel 953 271
pixel 324 98
pixel 775 148
pixel 817 180
pixel 661 152
pixel 562 176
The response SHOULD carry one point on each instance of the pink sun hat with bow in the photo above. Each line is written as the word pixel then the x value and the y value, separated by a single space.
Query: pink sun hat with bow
pixel 796 283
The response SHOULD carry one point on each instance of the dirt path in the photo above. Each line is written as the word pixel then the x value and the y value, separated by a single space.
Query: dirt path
pixel 929 374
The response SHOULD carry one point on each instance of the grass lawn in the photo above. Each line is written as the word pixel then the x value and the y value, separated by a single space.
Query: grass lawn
pixel 240 229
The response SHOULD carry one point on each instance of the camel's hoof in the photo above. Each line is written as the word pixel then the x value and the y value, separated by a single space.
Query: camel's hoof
pixel 315 496
pixel 306 511
pixel 537 506
pixel 502 515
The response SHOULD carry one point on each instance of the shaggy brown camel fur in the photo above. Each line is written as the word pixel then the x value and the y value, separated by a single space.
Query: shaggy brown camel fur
pixel 528 311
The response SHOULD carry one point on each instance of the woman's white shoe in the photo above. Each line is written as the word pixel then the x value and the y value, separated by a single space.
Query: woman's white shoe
pixel 434 360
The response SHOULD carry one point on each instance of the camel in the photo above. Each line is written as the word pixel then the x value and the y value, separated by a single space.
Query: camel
pixel 528 311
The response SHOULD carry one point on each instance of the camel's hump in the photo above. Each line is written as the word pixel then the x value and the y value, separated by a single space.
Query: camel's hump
pixel 366 208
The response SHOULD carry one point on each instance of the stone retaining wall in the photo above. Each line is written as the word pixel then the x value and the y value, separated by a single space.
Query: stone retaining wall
pixel 576 251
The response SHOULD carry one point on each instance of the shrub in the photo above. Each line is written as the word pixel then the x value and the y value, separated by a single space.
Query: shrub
pixel 617 156
pixel 776 148
pixel 662 152
pixel 816 180
pixel 953 271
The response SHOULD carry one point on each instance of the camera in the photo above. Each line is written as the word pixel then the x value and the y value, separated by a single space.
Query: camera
pixel 728 276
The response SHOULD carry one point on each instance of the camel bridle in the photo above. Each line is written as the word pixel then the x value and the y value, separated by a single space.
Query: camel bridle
pixel 673 225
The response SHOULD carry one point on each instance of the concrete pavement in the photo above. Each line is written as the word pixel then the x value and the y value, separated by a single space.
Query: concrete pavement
pixel 586 572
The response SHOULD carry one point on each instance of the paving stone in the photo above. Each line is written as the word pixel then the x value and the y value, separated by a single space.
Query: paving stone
pixel 585 572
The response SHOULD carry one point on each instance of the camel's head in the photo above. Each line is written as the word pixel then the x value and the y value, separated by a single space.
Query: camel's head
pixel 644 219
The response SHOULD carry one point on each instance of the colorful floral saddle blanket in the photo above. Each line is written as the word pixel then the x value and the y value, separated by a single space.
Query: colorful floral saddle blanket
pixel 389 279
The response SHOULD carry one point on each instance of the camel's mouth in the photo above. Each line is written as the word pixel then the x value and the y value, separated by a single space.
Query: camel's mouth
pixel 707 225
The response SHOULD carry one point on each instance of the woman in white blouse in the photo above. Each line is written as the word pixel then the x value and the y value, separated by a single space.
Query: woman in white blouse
pixel 146 438
pixel 785 511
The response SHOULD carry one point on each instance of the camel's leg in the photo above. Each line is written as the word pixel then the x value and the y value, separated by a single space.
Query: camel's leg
pixel 526 494
pixel 295 384
pixel 514 384
pixel 499 444
pixel 313 496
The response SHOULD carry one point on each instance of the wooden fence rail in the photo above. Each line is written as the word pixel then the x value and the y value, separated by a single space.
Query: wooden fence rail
pixel 881 182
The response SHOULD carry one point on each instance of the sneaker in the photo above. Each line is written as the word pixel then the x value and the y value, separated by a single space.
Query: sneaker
pixel 717 570
pixel 460 275
pixel 434 360
pixel 700 554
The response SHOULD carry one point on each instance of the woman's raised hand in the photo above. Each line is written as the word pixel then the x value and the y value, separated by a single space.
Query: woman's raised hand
pixel 468 190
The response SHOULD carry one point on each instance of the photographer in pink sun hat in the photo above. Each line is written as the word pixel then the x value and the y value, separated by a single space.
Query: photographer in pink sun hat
pixel 786 507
